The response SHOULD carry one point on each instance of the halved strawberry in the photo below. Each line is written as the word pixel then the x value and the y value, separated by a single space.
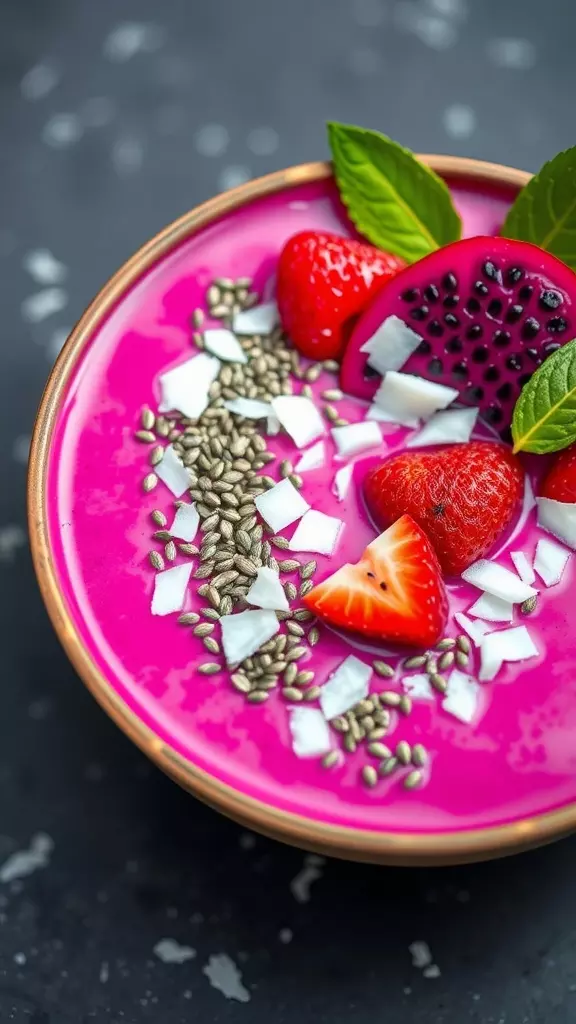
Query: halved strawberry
pixel 394 593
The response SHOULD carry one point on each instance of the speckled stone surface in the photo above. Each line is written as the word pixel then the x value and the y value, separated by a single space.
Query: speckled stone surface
pixel 114 118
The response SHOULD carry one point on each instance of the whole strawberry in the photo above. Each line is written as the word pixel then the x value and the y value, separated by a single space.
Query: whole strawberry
pixel 324 283
pixel 560 483
pixel 463 497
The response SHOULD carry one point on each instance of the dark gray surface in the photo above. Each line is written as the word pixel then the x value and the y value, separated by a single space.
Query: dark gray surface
pixel 134 860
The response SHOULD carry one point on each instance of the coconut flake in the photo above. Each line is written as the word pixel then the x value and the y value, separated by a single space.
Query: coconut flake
pixel 493 609
pixel 299 417
pixel 550 561
pixel 506 645
pixel 272 426
pixel 186 522
pixel 341 482
pixel 404 397
pixel 475 630
pixel 267 591
pixel 170 589
pixel 250 408
pixel 391 345
pixel 559 519
pixel 281 505
pixel 185 387
pixel 523 567
pixel 449 427
pixel 529 500
pixel 244 632
pixel 356 437
pixel 462 695
pixel 418 687
pixel 313 458
pixel 172 472
pixel 310 732
pixel 498 581
pixel 258 320
pixel 345 687
pixel 381 416
pixel 224 344
pixel 316 532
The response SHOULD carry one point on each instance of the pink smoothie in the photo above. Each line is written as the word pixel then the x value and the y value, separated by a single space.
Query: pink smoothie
pixel 516 760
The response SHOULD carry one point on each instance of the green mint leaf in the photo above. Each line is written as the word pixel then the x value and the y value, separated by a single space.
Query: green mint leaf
pixel 545 414
pixel 395 201
pixel 544 211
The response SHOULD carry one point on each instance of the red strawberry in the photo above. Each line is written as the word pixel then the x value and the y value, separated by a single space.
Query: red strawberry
pixel 560 483
pixel 324 282
pixel 394 593
pixel 463 497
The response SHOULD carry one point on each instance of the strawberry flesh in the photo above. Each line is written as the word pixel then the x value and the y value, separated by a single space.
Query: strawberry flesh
pixel 394 593
pixel 560 482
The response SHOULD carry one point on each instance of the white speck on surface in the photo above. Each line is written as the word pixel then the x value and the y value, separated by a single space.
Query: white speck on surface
pixel 132 37
pixel 43 304
pixel 21 449
pixel 433 971
pixel 459 121
pixel 301 884
pixel 515 54
pixel 62 130
pixel 20 959
pixel 233 176
pixel 433 31
pixel 39 81
pixel 263 141
pixel 421 955
pixel 224 975
pixel 24 862
pixel 364 61
pixel 247 841
pixel 127 155
pixel 97 112
pixel 43 267
pixel 285 935
pixel 368 13
pixel 39 709
pixel 457 9
pixel 171 952
pixel 212 140
pixel 12 537
pixel 104 972
pixel 56 342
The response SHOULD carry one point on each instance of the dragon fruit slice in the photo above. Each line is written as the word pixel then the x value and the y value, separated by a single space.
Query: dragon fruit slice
pixel 489 311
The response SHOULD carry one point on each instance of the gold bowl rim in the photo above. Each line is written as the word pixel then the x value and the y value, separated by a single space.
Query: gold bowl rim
pixel 350 843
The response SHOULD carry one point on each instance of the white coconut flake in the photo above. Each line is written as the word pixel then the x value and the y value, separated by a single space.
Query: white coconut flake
pixel 451 426
pixel 529 498
pixel 170 589
pixel 267 591
pixel 272 426
pixel 250 408
pixel 475 630
pixel 310 732
pixel 404 397
pixel 498 581
pixel 258 320
pixel 185 387
pixel 357 437
pixel 418 687
pixel 462 695
pixel 225 345
pixel 514 644
pixel 391 345
pixel 559 519
pixel 224 975
pixel 316 532
pixel 493 609
pixel 341 482
pixel 550 561
pixel 281 505
pixel 345 687
pixel 381 416
pixel 300 418
pixel 313 458
pixel 172 472
pixel 186 523
pixel 523 567
pixel 244 632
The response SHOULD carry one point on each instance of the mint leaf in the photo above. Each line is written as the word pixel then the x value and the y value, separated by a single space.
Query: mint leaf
pixel 395 201
pixel 544 212
pixel 545 414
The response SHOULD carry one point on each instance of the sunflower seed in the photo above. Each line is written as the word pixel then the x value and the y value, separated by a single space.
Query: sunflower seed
pixel 204 629
pixel 288 565
pixel 280 542
pixel 290 590
pixel 446 660
pixel 330 413
pixel 286 468
pixel 291 693
pixel 305 588
pixel 529 605
pixel 438 682
pixel 303 678
pixel 163 535
pixel 313 372
pixel 156 560
pixel 419 755
pixel 312 693
pixel 330 759
pixel 257 697
pixel 463 644
pixel 188 549
pixel 290 674
pixel 149 482
pixel 170 551
pixel 403 752
pixel 203 571
pixel 391 699
pixel 369 776
pixel 146 436
pixel 313 636
pixel 188 618
pixel 296 653
pixel 413 779
pixel 295 628
pixel 388 766
pixel 211 614
pixel 211 645
pixel 462 659
pixel 147 418
pixel 209 668
pixel 340 724
pixel 379 750
pixel 296 481
pixel 417 661
pixel 159 518
pixel 240 682
pixel 303 615
pixel 245 565
pixel 223 578
pixel 383 669
pixel 308 570
pixel 447 644
pixel 405 705
pixel 376 734
pixel 349 743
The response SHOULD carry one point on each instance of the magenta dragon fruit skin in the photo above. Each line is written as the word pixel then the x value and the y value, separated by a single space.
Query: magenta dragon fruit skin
pixel 489 311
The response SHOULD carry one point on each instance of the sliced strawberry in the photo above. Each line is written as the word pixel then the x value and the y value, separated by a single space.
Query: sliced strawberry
pixel 394 593
pixel 560 483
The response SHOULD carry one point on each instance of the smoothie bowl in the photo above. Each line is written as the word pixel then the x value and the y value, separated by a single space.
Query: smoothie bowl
pixel 238 561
